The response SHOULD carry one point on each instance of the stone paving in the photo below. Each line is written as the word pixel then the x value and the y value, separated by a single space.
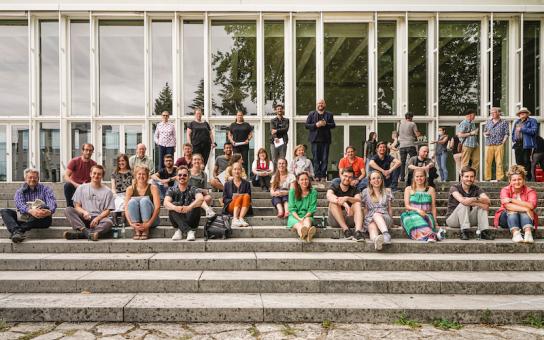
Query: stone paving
pixel 151 331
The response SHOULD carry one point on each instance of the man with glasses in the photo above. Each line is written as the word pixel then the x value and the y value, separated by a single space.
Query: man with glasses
pixel 78 172
pixel 165 177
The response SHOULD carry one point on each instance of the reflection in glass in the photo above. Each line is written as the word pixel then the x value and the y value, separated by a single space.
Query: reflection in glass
pixel 346 68
pixel 133 137
pixel 357 135
pixel 3 153
pixel 80 61
pixel 531 66
pixel 161 42
pixel 336 150
pixel 386 67
pixel 417 67
pixel 193 65
pixel 49 68
pixel 14 68
pixel 110 147
pixel 121 68
pixel 19 151
pixel 305 67
pixel 458 67
pixel 234 67
pixel 50 152
pixel 274 67
pixel 81 134
pixel 499 77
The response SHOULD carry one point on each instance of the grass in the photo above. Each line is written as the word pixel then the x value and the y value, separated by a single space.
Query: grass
pixel 486 317
pixel 36 334
pixel 253 331
pixel 535 321
pixel 3 326
pixel 404 321
pixel 446 324
pixel 288 330
pixel 327 324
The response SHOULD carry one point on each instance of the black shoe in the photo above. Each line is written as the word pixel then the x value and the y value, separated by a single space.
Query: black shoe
pixel 73 235
pixel 359 236
pixel 463 235
pixel 93 237
pixel 17 237
pixel 487 235
pixel 348 235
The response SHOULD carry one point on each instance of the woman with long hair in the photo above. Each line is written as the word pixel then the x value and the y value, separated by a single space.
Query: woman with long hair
pixel 237 197
pixel 236 158
pixel 518 206
pixel 419 219
pixel 200 136
pixel 378 212
pixel 300 163
pixel 262 168
pixel 240 134
pixel 302 206
pixel 142 204
pixel 121 179
pixel 369 149
pixel 279 188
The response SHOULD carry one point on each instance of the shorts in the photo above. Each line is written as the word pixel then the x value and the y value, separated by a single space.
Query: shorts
pixel 350 221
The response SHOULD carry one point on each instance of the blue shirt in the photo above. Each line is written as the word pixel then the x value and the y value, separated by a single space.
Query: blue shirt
pixel 26 194
pixel 464 127
pixel 497 132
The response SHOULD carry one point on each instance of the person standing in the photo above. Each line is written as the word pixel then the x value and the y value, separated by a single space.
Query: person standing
pixel 279 127
pixel 165 137
pixel 240 134
pixel 78 172
pixel 441 153
pixel 320 123
pixel 468 136
pixel 393 146
pixel 496 133
pixel 538 156
pixel 200 136
pixel 455 146
pixel 524 139
pixel 408 134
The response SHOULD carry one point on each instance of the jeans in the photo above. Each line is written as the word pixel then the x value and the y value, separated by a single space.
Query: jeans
pixel 523 158
pixel 515 220
pixel 405 153
pixel 77 222
pixel 465 216
pixel 140 209
pixel 10 220
pixel 261 181
pixel 165 150
pixel 162 188
pixel 69 191
pixel 441 159
pixel 320 152
pixel 538 159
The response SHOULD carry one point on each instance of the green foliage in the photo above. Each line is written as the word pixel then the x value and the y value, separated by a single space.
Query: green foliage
pixel 486 317
pixel 446 324
pixel 327 324
pixel 3 326
pixel 253 331
pixel 198 101
pixel 536 321
pixel 404 321
pixel 288 330
pixel 164 102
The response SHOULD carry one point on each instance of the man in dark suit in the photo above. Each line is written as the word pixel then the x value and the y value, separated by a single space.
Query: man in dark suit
pixel 320 123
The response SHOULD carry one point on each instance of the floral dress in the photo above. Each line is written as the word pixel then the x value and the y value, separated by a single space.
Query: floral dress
pixel 377 207
pixel 416 226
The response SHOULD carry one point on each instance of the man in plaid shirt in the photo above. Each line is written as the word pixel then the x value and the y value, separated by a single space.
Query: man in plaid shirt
pixel 468 136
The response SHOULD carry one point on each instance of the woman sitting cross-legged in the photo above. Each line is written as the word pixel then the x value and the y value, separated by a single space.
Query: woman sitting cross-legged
pixel 262 168
pixel 518 204
pixel 420 202
pixel 142 204
pixel 237 197
pixel 279 190
pixel 302 206
pixel 376 201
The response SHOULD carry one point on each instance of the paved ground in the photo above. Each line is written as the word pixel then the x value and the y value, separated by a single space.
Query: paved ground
pixel 83 331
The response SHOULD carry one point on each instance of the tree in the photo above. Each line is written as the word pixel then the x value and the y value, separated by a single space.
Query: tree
pixel 164 102
pixel 198 101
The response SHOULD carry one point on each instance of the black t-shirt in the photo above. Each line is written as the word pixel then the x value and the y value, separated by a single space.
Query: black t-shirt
pixel 200 132
pixel 337 190
pixel 473 191
pixel 384 163
pixel 164 174
pixel 182 198
pixel 240 132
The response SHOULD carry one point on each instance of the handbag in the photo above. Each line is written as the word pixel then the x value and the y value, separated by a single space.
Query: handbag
pixel 217 228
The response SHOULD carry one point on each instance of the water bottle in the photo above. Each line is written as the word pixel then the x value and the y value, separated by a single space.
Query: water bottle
pixel 123 231
pixel 478 232
pixel 441 234
pixel 115 232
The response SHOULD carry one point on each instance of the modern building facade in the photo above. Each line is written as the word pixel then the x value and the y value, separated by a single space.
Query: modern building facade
pixel 73 71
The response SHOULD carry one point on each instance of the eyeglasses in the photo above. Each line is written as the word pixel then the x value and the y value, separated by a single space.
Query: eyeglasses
pixel 183 175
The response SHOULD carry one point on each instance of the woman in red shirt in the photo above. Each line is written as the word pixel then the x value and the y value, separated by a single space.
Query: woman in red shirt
pixel 518 204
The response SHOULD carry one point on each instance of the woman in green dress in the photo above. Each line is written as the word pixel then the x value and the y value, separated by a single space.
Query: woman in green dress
pixel 302 206
pixel 420 202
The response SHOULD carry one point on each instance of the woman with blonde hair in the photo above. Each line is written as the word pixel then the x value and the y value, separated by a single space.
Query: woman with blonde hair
pixel 302 206
pixel 237 197
pixel 300 163
pixel 279 188
pixel 518 206
pixel 378 212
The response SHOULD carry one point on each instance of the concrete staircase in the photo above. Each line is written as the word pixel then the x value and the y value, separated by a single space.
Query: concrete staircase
pixel 265 274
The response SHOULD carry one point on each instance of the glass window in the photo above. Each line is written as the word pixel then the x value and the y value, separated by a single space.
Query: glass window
pixel 417 67
pixel 133 137
pixel 3 153
pixel 14 68
pixel 458 67
pixel 234 67
pixel 110 147
pixel 161 43
pixel 80 63
pixel 357 135
pixel 81 134
pixel 499 76
pixel 19 151
pixel 49 68
pixel 386 67
pixel 193 65
pixel 305 67
pixel 274 65
pixel 531 66
pixel 346 68
pixel 121 68
pixel 50 152
pixel 385 130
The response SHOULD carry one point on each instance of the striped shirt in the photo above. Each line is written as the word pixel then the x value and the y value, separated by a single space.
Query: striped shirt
pixel 25 194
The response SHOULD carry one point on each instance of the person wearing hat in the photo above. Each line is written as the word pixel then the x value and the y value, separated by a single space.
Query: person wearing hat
pixel 468 136
pixel 524 134
pixel 279 127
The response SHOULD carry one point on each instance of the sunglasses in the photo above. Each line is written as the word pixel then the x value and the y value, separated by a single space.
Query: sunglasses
pixel 183 175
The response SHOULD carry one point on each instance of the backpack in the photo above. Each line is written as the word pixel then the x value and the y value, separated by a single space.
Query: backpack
pixel 217 228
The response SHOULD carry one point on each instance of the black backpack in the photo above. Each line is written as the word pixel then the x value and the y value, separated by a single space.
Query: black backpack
pixel 217 228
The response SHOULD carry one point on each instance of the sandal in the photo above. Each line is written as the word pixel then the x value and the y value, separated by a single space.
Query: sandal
pixel 144 236
pixel 303 233
pixel 286 214
pixel 137 235
pixel 311 233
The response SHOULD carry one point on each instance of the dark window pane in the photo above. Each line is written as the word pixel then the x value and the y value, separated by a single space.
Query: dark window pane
pixel 500 65
pixel 386 68
pixel 110 147
pixel 417 67
pixel 531 66
pixel 49 152
pixel 81 134
pixel 19 151
pixel 274 65
pixel 305 67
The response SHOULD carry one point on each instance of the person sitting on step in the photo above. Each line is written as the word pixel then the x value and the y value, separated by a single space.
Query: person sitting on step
pixel 279 190
pixel 183 203
pixel 35 203
pixel 166 176
pixel 419 219
pixel 357 164
pixel 386 164
pixel 302 207
pixel 518 206
pixel 142 204
pixel 300 163
pixel 345 209
pixel 237 197
pixel 121 179
pixel 422 161
pixel 262 168
pixel 468 205
pixel 199 180
pixel 376 202
pixel 221 164
pixel 90 218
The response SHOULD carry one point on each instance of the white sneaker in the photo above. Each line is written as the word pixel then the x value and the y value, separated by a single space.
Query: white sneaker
pixel 210 213
pixel 177 235
pixel 243 223
pixel 378 242
pixel 517 237
pixel 528 237
pixel 191 235
pixel 235 223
